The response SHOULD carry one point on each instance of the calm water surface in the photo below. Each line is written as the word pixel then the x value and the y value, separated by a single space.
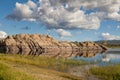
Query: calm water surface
pixel 112 56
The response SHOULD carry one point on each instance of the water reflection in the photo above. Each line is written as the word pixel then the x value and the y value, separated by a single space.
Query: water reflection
pixel 110 56
pixel 90 53
pixel 82 53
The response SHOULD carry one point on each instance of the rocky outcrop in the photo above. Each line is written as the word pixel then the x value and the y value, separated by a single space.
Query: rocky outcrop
pixel 90 46
pixel 36 44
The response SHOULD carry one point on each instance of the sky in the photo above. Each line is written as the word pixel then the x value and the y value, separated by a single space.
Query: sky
pixel 72 20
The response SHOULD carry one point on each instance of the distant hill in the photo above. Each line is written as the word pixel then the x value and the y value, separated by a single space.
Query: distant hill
pixel 109 43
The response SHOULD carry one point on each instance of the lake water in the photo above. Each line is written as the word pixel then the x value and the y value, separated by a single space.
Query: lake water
pixel 111 56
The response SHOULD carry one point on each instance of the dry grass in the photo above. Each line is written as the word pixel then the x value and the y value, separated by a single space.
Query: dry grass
pixel 18 67
pixel 107 72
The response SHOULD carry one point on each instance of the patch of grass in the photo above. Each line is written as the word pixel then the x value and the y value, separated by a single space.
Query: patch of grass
pixel 107 72
pixel 43 62
pixel 71 78
pixel 21 67
pixel 7 73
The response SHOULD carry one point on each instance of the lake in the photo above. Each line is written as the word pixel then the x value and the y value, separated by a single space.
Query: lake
pixel 111 56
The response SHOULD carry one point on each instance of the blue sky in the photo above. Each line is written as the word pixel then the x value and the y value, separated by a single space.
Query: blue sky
pixel 88 25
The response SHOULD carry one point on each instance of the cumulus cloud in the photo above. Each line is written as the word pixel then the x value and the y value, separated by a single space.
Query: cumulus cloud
pixel 108 36
pixel 63 33
pixel 67 14
pixel 3 34
pixel 31 4
pixel 23 11
pixel 118 27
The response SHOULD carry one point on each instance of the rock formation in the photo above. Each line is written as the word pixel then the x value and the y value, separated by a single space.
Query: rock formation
pixel 36 44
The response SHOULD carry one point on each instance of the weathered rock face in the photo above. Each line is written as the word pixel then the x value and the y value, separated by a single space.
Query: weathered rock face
pixel 36 44
pixel 90 46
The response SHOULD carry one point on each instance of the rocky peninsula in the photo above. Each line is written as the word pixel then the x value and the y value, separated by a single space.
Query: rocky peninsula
pixel 36 44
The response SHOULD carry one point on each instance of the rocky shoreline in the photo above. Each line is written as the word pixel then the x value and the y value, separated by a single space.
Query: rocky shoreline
pixel 36 44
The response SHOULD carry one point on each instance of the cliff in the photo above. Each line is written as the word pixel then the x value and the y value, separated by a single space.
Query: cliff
pixel 36 44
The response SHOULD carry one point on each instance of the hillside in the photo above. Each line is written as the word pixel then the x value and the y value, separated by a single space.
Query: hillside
pixel 110 43
pixel 36 44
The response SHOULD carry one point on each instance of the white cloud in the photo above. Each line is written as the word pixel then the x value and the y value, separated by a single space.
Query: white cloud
pixel 3 34
pixel 23 12
pixel 66 14
pixel 108 36
pixel 63 33
pixel 31 4
pixel 114 16
pixel 118 27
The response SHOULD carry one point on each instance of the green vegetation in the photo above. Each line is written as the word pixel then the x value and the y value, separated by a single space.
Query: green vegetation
pixel 110 43
pixel 7 73
pixel 43 62
pixel 113 46
pixel 21 67
pixel 107 72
